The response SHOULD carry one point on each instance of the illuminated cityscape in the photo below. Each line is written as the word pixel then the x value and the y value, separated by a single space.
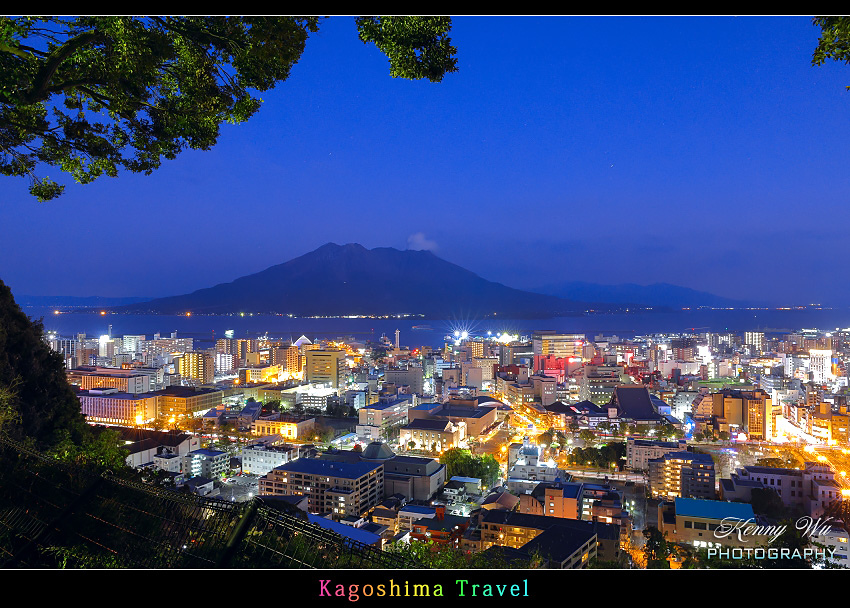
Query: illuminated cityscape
pixel 621 433
pixel 516 304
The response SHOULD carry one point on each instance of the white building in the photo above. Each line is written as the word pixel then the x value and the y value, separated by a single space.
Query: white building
pixel 820 364
pixel 207 463
pixel 131 344
pixel 223 363
pixel 835 540
pixel 262 457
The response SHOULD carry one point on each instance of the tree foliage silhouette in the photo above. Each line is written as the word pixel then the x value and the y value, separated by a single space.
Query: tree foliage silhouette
pixel 92 95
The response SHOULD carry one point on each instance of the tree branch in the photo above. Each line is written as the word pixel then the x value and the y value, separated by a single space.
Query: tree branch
pixel 20 51
pixel 48 69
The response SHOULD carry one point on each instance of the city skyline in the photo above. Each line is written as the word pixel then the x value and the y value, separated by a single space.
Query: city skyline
pixel 696 151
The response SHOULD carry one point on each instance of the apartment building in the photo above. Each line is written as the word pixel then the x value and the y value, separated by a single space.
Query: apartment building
pixel 340 488
pixel 289 427
pixel 682 474
pixel 325 367
pixel 125 380
pixel 198 366
pixel 261 457
pixel 206 463
pixel 640 451
pixel 187 401
pixel 111 406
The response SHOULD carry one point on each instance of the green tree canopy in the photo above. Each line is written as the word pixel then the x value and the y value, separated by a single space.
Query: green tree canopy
pixel 93 95
pixel 432 555
pixel 463 463
pixel 834 42
pixel 656 548
pixel 587 436
pixel 602 457
pixel 37 401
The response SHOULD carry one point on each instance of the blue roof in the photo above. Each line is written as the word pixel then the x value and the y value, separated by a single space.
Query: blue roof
pixel 362 536
pixel 714 509
pixel 382 405
pixel 331 468
pixel 418 509
pixel 571 490
pixel 207 452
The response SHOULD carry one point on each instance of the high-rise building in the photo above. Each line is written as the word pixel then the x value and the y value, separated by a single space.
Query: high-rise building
pixel 197 365
pixel 412 376
pixel 755 340
pixel 289 357
pixel 223 363
pixel 597 383
pixel 326 367
pixel 820 364
pixel 548 342
pixel 125 380
pixel 752 412
pixel 111 406
pixel 341 488
pixel 131 344
pixel 682 474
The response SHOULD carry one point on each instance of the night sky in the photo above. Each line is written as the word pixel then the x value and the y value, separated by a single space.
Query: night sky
pixel 704 152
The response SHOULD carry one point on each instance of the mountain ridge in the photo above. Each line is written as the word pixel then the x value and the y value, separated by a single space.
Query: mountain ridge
pixel 655 294
pixel 337 280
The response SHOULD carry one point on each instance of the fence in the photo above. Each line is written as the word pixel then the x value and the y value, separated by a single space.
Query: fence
pixel 57 515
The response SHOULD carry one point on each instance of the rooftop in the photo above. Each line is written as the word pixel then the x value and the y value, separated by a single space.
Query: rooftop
pixel 429 425
pixel 559 542
pixel 418 509
pixel 184 391
pixel 773 471
pixel 713 509
pixel 377 450
pixel 317 466
pixel 207 452
pixel 357 534
pixel 448 522
pixel 634 402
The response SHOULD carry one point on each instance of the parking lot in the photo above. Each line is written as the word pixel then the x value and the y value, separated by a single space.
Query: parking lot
pixel 239 489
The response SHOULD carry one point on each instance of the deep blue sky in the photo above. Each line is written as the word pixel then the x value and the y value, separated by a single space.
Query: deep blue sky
pixel 704 152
